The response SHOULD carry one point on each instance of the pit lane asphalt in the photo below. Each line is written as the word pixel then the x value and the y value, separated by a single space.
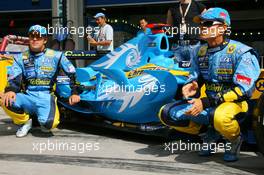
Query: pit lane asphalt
pixel 118 153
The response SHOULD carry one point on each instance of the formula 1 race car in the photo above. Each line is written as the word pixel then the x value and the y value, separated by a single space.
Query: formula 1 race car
pixel 127 87
pixel 131 83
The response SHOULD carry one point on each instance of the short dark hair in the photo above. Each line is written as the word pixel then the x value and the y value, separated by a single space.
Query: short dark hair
pixel 143 18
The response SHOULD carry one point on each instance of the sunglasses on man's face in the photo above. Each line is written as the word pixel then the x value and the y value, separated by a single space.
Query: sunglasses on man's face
pixel 35 35
pixel 209 23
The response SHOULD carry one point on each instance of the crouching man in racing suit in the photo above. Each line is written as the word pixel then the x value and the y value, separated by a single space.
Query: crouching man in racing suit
pixel 229 70
pixel 37 69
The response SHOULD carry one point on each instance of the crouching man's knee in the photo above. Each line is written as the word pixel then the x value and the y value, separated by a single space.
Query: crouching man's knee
pixel 226 124
pixel 18 117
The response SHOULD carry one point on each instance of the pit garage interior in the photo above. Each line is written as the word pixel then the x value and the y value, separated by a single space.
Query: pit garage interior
pixel 120 152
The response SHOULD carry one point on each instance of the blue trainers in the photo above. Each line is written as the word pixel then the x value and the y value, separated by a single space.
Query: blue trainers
pixel 209 137
pixel 232 154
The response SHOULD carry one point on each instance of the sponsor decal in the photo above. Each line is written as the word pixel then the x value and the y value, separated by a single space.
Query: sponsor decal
pixel 140 71
pixel 24 57
pixel 204 65
pixel 225 77
pixel 247 61
pixel 203 59
pixel 134 73
pixel 225 60
pixel 39 82
pixel 50 53
pixel 223 15
pixel 185 64
pixel 215 87
pixel 243 79
pixel 260 85
pixel 231 48
pixel 224 71
pixel 46 68
pixel 202 51
pixel 79 54
pixel 152 44
pixel 25 61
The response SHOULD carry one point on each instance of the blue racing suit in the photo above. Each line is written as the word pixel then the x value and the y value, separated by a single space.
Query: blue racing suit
pixel 32 77
pixel 229 73
pixel 148 32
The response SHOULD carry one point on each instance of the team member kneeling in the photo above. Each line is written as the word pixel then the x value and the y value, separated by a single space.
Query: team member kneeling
pixel 229 70
pixel 37 70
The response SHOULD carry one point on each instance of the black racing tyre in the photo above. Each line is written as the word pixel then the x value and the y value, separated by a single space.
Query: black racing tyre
pixel 259 132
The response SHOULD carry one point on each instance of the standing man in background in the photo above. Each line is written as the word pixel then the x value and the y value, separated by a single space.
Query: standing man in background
pixel 104 38
pixel 180 16
pixel 143 25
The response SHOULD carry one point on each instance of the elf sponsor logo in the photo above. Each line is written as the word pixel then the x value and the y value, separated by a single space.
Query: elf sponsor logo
pixel 185 64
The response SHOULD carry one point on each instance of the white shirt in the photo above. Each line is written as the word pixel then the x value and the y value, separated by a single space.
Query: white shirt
pixel 105 33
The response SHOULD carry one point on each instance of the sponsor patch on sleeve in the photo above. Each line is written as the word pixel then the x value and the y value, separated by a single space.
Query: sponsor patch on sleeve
pixel 71 68
pixel 243 79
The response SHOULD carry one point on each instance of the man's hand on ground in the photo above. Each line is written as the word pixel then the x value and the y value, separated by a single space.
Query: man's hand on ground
pixel 74 99
pixel 8 98
pixel 197 107
pixel 190 89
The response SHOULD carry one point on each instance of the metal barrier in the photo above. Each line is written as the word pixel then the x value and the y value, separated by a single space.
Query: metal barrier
pixel 13 39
